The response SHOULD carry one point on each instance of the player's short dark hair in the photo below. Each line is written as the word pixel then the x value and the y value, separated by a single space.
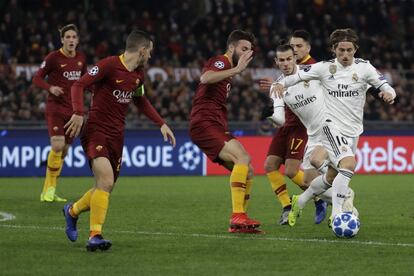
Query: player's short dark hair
pixel 284 48
pixel 302 34
pixel 137 39
pixel 342 35
pixel 237 35
pixel 69 27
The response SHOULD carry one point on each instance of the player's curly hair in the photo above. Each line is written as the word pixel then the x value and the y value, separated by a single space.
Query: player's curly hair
pixel 69 27
pixel 342 35
pixel 237 35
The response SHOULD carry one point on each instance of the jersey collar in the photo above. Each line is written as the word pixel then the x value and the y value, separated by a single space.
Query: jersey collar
pixel 308 57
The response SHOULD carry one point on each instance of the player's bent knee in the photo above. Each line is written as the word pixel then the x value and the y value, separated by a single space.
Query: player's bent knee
pixel 291 172
pixel 348 163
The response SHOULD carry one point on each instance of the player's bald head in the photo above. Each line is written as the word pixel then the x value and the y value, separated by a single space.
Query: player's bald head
pixel 137 39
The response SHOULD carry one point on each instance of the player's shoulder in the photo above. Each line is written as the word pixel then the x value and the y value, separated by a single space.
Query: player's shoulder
pixel 220 62
pixel 53 55
pixel 80 55
pixel 361 61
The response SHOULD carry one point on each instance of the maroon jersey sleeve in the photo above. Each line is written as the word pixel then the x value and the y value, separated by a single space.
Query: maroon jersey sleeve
pixel 45 68
pixel 217 63
pixel 94 75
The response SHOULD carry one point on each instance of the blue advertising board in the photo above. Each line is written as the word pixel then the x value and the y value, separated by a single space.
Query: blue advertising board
pixel 24 153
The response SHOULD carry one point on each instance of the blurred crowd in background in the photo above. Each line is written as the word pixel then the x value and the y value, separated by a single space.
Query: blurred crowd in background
pixel 187 33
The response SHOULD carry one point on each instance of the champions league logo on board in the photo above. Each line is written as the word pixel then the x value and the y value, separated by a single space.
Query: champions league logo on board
pixel 189 156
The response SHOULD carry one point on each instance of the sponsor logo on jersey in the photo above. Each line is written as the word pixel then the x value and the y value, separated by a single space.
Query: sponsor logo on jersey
pixel 343 92
pixel 123 96
pixel 219 64
pixel 72 75
pixel 302 101
pixel 93 71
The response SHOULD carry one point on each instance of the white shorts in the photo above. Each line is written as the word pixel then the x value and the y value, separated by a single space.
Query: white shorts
pixel 337 145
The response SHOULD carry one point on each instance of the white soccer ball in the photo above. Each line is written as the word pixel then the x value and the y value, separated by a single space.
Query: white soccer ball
pixel 346 225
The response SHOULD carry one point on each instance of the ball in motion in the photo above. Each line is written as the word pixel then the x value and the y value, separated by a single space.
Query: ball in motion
pixel 346 225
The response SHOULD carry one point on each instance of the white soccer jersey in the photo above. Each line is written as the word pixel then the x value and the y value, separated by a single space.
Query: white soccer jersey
pixel 345 89
pixel 306 100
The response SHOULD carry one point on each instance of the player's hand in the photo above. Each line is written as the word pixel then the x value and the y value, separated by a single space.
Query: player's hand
pixel 167 134
pixel 244 60
pixel 74 126
pixel 56 90
pixel 387 97
pixel 265 83
pixel 277 90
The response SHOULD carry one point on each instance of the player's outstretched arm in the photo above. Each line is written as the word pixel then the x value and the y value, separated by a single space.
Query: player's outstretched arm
pixel 211 76
pixel 168 134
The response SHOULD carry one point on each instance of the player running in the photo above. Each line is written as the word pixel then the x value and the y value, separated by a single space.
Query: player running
pixel 117 80
pixel 62 68
pixel 345 80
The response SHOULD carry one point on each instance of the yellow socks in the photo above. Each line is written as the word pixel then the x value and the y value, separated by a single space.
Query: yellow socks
pixel 298 179
pixel 238 187
pixel 54 166
pixel 83 204
pixel 279 187
pixel 98 207
pixel 249 183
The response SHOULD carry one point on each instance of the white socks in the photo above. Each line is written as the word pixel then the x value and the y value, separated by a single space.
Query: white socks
pixel 340 190
pixel 317 187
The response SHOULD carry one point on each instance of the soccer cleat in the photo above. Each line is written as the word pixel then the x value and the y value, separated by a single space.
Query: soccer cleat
pixel 320 211
pixel 241 223
pixel 49 195
pixel 284 216
pixel 59 199
pixel 241 220
pixel 330 222
pixel 71 231
pixel 348 205
pixel 98 242
pixel 295 211
pixel 42 197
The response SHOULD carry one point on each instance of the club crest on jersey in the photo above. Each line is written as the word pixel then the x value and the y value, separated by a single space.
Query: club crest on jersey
pixel 332 71
pixel 80 63
pixel 93 71
pixel 355 77
pixel 219 64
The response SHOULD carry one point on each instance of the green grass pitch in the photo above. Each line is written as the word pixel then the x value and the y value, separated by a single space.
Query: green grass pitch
pixel 178 226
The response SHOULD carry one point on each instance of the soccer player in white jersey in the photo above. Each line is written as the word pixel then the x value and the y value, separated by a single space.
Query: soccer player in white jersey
pixel 344 81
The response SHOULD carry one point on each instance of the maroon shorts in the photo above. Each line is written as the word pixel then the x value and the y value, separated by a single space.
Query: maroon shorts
pixel 55 125
pixel 289 142
pixel 210 137
pixel 96 144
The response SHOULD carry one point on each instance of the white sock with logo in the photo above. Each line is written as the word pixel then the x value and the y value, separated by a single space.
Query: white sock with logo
pixel 340 190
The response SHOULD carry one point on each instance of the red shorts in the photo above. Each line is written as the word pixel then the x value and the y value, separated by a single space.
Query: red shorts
pixel 96 144
pixel 55 125
pixel 289 142
pixel 210 137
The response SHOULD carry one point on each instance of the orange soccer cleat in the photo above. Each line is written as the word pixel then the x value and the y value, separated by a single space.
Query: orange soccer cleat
pixel 241 223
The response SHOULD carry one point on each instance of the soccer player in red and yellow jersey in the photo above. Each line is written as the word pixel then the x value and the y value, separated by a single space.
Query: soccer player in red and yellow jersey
pixel 288 144
pixel 117 80
pixel 62 68
pixel 209 130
